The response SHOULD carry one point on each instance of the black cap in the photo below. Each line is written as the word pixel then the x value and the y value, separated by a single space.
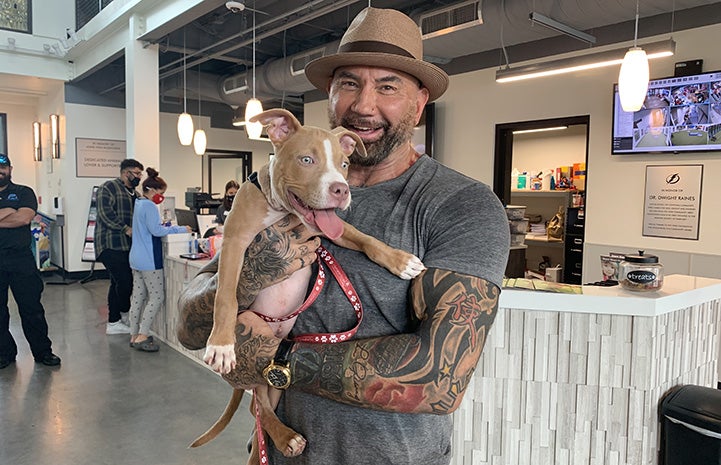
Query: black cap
pixel 5 160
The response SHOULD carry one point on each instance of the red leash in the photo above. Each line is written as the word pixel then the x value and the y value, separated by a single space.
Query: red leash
pixel 322 338
pixel 325 256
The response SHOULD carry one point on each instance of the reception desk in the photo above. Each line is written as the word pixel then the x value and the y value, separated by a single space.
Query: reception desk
pixel 577 379
pixel 567 379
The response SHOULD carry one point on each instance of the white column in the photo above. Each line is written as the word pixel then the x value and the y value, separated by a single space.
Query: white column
pixel 142 99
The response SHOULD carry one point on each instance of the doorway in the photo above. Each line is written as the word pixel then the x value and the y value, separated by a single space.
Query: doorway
pixel 530 146
pixel 224 165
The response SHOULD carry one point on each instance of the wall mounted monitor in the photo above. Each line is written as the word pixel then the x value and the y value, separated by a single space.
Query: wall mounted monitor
pixel 680 114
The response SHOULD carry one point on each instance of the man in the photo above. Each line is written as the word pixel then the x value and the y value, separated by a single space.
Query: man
pixel 18 272
pixel 113 231
pixel 386 395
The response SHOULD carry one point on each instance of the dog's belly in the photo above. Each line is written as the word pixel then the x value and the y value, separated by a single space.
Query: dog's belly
pixel 283 299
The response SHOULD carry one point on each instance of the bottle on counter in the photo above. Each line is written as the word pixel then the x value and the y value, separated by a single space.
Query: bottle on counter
pixel 193 243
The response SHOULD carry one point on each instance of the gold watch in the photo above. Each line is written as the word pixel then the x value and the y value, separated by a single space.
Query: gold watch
pixel 277 374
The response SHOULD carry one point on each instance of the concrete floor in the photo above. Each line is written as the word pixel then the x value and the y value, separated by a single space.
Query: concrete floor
pixel 108 403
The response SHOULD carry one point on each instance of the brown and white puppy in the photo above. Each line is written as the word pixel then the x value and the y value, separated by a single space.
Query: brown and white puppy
pixel 306 177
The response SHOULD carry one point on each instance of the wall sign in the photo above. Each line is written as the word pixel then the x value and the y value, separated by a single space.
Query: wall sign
pixel 98 158
pixel 673 201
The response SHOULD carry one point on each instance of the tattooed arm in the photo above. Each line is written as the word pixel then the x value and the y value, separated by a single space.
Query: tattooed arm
pixel 274 254
pixel 422 372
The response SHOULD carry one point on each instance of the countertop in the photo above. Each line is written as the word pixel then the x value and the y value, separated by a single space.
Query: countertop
pixel 678 291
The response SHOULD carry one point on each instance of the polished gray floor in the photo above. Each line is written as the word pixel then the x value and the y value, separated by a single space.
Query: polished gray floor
pixel 108 403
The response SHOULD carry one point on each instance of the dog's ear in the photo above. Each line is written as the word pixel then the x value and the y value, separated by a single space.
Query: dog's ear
pixel 281 124
pixel 350 141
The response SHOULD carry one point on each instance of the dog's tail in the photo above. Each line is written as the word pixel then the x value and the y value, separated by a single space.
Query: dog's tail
pixel 222 422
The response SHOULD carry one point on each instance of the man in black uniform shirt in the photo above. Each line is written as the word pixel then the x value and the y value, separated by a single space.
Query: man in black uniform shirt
pixel 18 272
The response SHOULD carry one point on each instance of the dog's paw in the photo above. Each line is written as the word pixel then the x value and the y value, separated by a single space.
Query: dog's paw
pixel 295 447
pixel 220 358
pixel 414 267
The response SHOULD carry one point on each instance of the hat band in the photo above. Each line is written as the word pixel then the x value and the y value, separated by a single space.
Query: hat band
pixel 373 47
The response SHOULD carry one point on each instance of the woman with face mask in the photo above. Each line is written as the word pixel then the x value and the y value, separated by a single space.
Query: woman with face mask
pixel 231 188
pixel 146 261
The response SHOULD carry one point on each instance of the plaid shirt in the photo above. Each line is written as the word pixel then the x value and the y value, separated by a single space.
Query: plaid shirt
pixel 115 216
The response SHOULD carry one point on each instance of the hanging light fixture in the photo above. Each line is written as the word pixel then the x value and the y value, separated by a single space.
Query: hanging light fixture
pixel 200 140
pixel 633 77
pixel 253 107
pixel 55 135
pixel 37 149
pixel 185 121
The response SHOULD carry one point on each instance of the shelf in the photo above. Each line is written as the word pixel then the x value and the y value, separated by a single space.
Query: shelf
pixel 543 240
pixel 545 193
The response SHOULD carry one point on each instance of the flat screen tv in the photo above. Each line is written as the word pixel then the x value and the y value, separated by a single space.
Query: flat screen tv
pixel 680 114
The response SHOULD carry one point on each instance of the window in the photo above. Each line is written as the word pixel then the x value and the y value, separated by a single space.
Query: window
pixel 16 16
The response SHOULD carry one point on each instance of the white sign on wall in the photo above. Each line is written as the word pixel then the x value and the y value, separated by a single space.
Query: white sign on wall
pixel 98 158
pixel 673 201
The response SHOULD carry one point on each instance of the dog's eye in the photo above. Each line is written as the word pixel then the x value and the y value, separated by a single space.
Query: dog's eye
pixel 307 160
pixel 344 165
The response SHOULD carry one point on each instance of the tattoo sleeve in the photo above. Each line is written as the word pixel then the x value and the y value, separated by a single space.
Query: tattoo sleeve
pixel 274 254
pixel 423 372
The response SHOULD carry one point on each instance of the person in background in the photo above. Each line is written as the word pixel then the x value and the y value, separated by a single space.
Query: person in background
pixel 113 231
pixel 386 395
pixel 146 261
pixel 231 188
pixel 18 272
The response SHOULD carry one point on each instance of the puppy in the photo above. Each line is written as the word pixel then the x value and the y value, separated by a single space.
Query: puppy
pixel 306 177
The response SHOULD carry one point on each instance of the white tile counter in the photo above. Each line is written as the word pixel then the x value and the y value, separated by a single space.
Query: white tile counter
pixel 577 379
pixel 178 273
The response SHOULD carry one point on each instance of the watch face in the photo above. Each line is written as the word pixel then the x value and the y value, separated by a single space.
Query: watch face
pixel 278 377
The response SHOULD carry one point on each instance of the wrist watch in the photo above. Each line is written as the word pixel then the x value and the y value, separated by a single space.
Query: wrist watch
pixel 277 374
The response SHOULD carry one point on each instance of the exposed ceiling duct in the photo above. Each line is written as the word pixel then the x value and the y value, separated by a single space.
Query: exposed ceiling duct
pixel 280 78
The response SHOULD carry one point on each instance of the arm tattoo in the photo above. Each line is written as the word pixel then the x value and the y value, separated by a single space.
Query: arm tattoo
pixel 266 261
pixel 250 345
pixel 426 371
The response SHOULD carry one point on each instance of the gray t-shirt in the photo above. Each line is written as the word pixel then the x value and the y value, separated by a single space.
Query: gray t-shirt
pixel 449 221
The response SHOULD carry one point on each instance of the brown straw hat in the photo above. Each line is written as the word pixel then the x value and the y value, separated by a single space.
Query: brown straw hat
pixel 384 38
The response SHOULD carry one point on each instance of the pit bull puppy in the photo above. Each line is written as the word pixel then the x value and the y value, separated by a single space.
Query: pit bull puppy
pixel 306 177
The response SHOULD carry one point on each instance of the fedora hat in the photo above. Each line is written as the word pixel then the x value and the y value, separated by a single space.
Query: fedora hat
pixel 384 38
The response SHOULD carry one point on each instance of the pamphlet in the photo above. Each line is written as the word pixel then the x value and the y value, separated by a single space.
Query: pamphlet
pixel 541 285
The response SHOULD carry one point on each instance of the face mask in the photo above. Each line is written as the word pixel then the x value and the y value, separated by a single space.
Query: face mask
pixel 158 199
pixel 230 198
pixel 135 182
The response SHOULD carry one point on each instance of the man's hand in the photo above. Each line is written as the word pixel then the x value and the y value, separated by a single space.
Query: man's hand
pixel 256 346
pixel 274 254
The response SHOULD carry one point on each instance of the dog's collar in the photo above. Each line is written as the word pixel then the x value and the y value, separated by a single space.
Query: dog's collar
pixel 254 179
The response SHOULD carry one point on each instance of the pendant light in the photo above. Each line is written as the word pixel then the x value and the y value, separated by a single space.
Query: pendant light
pixel 634 75
pixel 253 107
pixel 200 141
pixel 185 121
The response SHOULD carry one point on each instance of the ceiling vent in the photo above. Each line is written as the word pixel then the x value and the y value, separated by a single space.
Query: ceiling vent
pixel 446 30
pixel 298 62
pixel 235 83
pixel 450 19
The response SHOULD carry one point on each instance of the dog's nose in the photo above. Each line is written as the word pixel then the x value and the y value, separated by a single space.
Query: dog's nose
pixel 339 191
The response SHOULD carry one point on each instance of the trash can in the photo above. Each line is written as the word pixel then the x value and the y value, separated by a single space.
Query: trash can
pixel 691 426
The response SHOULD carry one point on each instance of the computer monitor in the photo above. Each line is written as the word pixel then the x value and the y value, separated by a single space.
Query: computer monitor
pixel 186 218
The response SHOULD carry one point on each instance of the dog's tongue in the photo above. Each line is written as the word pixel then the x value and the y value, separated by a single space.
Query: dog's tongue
pixel 328 222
